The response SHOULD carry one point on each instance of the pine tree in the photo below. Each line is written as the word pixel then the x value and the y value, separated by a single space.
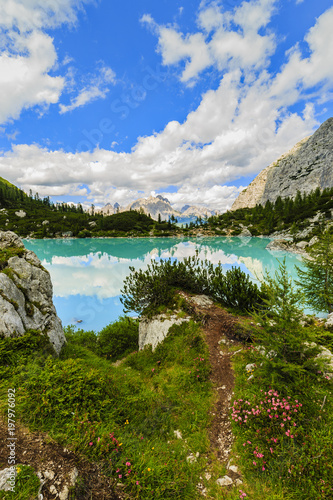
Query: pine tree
pixel 317 278
pixel 288 351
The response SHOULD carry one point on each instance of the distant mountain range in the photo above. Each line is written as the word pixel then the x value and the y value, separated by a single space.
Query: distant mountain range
pixel 306 167
pixel 157 205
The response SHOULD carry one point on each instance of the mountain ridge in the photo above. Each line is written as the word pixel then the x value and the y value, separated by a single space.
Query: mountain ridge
pixel 158 205
pixel 308 165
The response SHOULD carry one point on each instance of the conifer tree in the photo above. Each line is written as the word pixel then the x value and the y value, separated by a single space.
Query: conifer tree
pixel 317 278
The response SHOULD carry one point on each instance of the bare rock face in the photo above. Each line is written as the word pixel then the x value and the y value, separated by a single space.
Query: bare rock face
pixel 309 165
pixel 26 294
pixel 153 331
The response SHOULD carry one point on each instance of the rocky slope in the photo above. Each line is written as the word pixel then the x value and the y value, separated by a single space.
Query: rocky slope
pixel 26 293
pixel 307 166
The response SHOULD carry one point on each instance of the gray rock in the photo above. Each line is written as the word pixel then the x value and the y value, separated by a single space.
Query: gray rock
pixel 63 495
pixel 9 239
pixel 302 245
pixel 178 434
pixel 313 241
pixel 278 245
pixel 7 479
pixel 154 331
pixel 245 232
pixel 224 481
pixel 234 468
pixel 73 476
pixel 329 320
pixel 202 301
pixel 304 168
pixel 26 296
pixel 21 214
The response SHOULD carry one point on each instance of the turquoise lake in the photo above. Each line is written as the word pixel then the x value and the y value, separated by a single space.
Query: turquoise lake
pixel 88 274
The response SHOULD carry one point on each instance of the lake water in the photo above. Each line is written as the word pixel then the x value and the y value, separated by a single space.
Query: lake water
pixel 88 274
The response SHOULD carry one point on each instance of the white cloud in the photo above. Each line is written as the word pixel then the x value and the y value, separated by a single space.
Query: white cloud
pixel 302 74
pixel 97 88
pixel 226 40
pixel 237 130
pixel 27 53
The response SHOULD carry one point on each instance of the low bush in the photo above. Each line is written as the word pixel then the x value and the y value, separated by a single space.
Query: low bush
pixel 118 339
pixel 235 289
pixel 145 291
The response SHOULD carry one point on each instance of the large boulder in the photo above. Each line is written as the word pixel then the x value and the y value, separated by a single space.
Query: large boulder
pixel 26 294
pixel 153 331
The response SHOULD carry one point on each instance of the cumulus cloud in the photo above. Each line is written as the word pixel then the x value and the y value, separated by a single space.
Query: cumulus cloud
pixel 27 53
pixel 226 40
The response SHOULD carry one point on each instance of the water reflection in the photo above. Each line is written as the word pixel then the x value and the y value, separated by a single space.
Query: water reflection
pixel 87 275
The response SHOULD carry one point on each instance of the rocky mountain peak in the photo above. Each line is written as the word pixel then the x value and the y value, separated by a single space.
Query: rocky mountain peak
pixel 307 166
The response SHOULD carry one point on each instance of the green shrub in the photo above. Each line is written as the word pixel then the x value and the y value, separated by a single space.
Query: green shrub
pixel 14 349
pixel 288 350
pixel 235 289
pixel 81 338
pixel 118 339
pixel 144 291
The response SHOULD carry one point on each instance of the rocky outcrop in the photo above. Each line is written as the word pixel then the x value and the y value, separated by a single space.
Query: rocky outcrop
pixel 307 166
pixel 153 331
pixel 26 294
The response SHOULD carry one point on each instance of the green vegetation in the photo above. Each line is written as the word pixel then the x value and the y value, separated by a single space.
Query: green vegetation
pixel 8 253
pixel 146 421
pixel 44 219
pixel 26 485
pixel 284 214
pixel 316 280
pixel 124 417
pixel 145 291
pixel 113 342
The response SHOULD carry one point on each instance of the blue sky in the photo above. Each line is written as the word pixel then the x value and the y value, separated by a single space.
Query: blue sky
pixel 105 101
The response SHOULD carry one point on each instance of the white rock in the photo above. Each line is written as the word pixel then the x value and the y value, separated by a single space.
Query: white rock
pixel 202 300
pixel 178 434
pixel 7 478
pixel 302 244
pixel 329 320
pixel 49 474
pixel 20 213
pixel 234 468
pixel 191 458
pixel 313 241
pixel 224 481
pixel 238 482
pixel 250 367
pixel 63 495
pixel 73 476
pixel 53 490
pixel 154 331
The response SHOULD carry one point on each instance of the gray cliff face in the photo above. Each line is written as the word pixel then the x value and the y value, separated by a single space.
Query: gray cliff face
pixel 26 295
pixel 309 165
